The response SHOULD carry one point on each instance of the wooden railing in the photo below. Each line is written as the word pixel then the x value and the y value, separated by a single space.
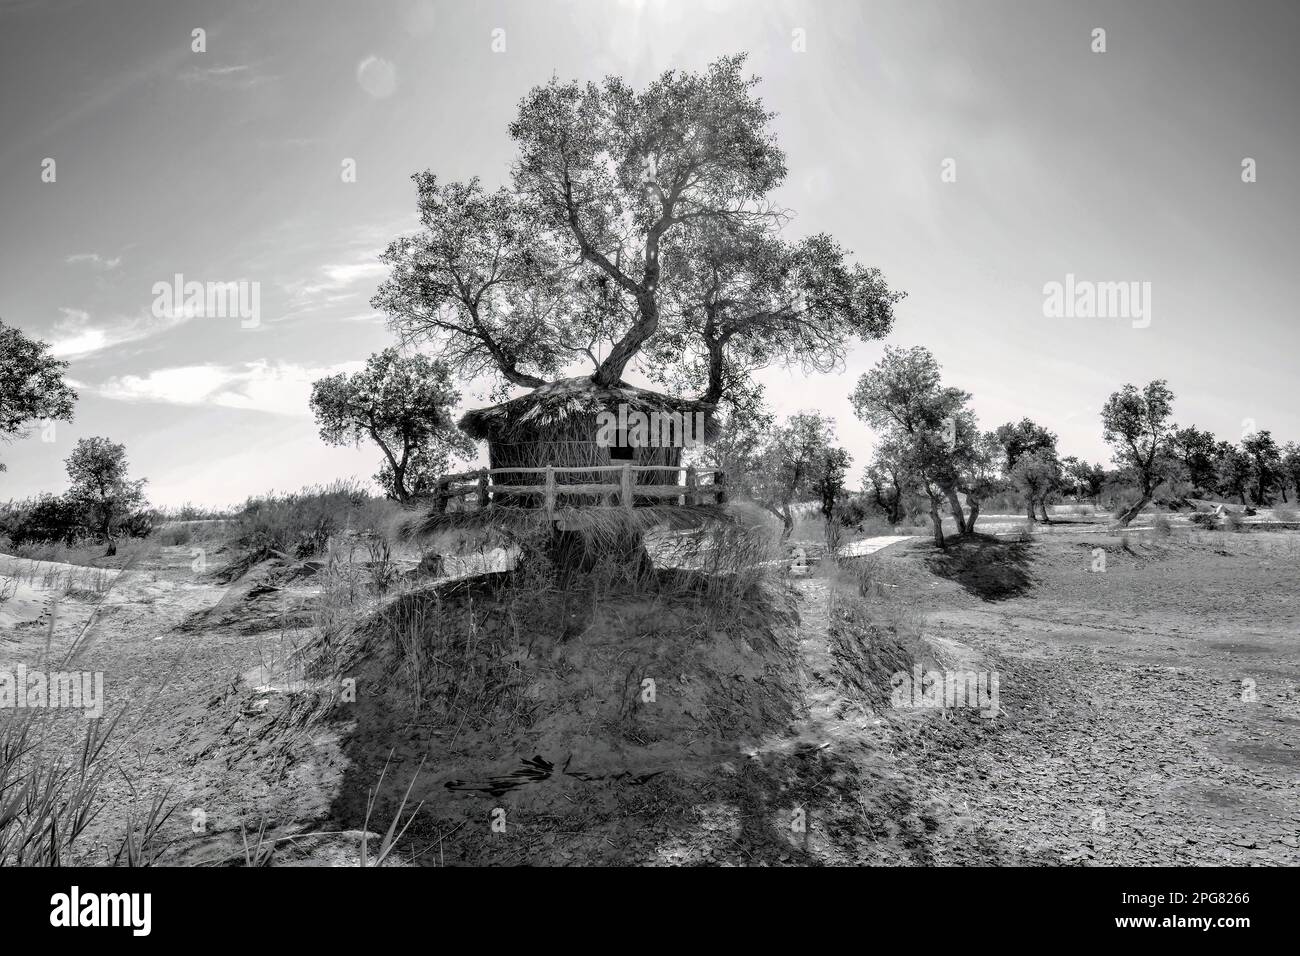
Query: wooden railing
pixel 480 484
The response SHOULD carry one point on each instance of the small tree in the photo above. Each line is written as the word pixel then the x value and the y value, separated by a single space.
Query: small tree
pixel 830 486
pixel 929 431
pixel 1036 475
pixel 1137 425
pixel 1087 479
pixel 1028 437
pixel 1234 471
pixel 831 479
pixel 882 481
pixel 31 384
pixel 1017 438
pixel 981 473
pixel 100 488
pixel 1291 468
pixel 1266 463
pixel 744 429
pixel 792 465
pixel 1195 450
pixel 403 404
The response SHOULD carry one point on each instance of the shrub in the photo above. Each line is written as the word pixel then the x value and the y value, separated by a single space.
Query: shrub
pixel 175 534
pixel 48 518
pixel 301 523
pixel 852 513
pixel 1162 526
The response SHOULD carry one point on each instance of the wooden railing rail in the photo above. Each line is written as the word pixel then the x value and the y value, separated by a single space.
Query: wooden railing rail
pixel 625 489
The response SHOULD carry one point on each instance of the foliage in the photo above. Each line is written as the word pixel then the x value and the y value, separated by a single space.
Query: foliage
pixel 1086 478
pixel 1024 436
pixel 798 460
pixel 1291 468
pixel 401 403
pixel 1036 475
pixel 31 384
pixel 41 519
pixel 638 225
pixel 301 523
pixel 1137 424
pixel 1266 464
pixel 930 441
pixel 100 488
pixel 829 485
pixel 1195 449
pixel 1233 470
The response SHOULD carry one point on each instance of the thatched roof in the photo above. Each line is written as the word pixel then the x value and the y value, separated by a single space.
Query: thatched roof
pixel 553 403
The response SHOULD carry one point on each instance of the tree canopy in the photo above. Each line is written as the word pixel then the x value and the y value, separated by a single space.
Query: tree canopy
pixel 638 225
pixel 931 437
pixel 401 403
pixel 1137 424
pixel 100 486
pixel 31 384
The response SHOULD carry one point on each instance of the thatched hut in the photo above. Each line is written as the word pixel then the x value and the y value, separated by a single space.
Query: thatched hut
pixel 574 423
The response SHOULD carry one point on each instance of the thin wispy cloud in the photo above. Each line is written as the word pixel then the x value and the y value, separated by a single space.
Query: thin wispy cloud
pixel 279 388
pixel 77 334
pixel 242 76
pixel 95 260
pixel 337 282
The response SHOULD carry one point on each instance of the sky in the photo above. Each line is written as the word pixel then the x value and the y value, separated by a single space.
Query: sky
pixel 974 151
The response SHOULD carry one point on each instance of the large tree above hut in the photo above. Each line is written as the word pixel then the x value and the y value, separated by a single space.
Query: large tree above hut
pixel 638 224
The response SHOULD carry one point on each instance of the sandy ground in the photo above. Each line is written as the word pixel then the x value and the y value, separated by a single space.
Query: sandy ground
pixel 1150 710
pixel 1149 714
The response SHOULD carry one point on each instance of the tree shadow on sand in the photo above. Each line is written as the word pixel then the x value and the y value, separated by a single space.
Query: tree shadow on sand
pixel 989 568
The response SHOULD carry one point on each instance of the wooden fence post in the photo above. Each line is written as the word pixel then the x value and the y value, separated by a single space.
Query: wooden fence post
pixel 483 491
pixel 692 486
pixel 550 490
pixel 627 484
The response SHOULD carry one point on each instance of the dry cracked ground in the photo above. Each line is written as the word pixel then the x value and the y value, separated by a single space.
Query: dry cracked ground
pixel 1150 712
pixel 1148 715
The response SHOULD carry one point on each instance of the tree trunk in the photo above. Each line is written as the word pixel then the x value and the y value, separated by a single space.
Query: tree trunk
pixel 974 504
pixel 955 504
pixel 937 519
pixel 1042 506
pixel 610 372
pixel 1132 513
pixel 787 520
pixel 1029 511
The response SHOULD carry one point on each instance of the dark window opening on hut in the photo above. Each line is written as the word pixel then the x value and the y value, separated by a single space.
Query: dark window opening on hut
pixel 621 451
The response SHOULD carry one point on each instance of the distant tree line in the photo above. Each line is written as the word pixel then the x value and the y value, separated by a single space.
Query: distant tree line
pixel 932 459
